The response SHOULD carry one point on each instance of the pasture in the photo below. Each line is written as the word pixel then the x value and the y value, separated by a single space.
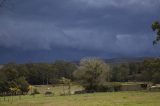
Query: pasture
pixel 131 98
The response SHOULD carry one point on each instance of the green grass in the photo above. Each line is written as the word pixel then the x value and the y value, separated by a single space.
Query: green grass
pixel 140 98
pixel 134 98
pixel 57 90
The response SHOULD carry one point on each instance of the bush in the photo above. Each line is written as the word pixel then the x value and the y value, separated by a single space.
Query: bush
pixel 62 94
pixel 23 85
pixel 109 87
pixel 35 91
pixel 105 88
pixel 48 93
pixel 80 92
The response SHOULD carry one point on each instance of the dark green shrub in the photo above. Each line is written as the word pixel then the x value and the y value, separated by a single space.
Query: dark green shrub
pixel 48 93
pixel 35 91
pixel 108 88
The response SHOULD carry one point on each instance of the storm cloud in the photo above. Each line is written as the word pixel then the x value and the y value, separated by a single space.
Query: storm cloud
pixel 105 28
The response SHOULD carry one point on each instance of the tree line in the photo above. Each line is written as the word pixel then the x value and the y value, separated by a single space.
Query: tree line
pixel 20 76
pixel 90 73
pixel 146 71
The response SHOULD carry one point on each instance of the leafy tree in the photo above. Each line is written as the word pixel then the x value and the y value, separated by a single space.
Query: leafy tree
pixel 22 70
pixel 64 69
pixel 4 86
pixel 151 70
pixel 10 71
pixel 156 28
pixel 22 84
pixel 92 72
pixel 134 71
pixel 10 79
pixel 34 73
pixel 156 77
pixel 66 82
pixel 120 73
pixel 44 72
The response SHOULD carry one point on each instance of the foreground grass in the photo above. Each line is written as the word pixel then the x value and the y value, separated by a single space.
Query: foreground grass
pixel 96 99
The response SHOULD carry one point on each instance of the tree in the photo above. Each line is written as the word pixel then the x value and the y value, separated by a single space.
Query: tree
pixel 22 70
pixel 11 80
pixel 134 71
pixel 4 86
pixel 66 82
pixel 45 71
pixel 120 73
pixel 156 28
pixel 22 84
pixel 64 69
pixel 151 70
pixel 10 71
pixel 92 72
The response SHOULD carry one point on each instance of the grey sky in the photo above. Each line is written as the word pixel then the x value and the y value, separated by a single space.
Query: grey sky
pixel 104 28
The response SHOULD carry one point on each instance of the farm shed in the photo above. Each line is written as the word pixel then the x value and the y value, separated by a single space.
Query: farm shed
pixel 133 87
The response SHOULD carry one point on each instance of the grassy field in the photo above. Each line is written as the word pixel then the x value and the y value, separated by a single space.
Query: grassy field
pixel 57 90
pixel 140 98
pixel 132 98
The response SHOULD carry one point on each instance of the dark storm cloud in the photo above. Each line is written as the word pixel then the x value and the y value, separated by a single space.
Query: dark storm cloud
pixel 116 27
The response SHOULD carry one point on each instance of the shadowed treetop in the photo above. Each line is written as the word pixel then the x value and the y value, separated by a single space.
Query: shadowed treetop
pixel 156 28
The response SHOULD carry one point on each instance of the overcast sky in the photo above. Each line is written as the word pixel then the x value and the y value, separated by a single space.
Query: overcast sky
pixel 46 30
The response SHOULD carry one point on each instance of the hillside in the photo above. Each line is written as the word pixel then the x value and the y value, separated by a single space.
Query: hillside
pixel 127 60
